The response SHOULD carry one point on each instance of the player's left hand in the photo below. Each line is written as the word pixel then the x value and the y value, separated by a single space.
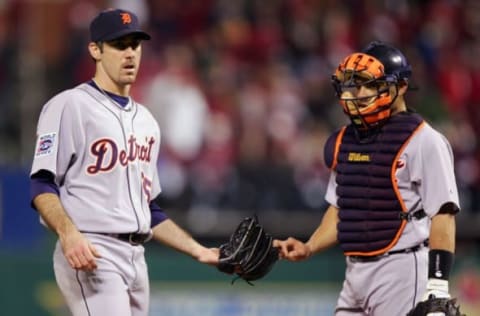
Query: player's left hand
pixel 436 301
pixel 434 306
pixel 437 288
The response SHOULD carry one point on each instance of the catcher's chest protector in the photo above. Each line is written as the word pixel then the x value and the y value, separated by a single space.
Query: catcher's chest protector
pixel 368 196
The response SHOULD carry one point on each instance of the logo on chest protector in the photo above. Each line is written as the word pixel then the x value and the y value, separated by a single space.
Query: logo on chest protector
pixel 106 153
pixel 358 157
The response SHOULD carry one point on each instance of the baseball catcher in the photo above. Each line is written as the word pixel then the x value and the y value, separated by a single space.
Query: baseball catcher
pixel 249 253
pixel 392 196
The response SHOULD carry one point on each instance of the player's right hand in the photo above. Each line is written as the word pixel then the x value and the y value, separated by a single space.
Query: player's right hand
pixel 292 249
pixel 208 255
pixel 79 251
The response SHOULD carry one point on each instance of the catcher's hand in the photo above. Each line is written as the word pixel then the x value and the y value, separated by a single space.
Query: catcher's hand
pixel 249 253
pixel 436 306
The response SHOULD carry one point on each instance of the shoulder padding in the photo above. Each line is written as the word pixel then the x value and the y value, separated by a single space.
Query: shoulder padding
pixel 329 149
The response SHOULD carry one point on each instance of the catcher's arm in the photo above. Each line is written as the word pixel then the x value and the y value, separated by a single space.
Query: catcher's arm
pixel 436 299
pixel 441 255
pixel 324 237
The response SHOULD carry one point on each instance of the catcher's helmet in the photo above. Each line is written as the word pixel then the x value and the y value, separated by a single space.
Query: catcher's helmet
pixel 396 65
pixel 377 68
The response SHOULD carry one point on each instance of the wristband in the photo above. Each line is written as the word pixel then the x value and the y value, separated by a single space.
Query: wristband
pixel 439 264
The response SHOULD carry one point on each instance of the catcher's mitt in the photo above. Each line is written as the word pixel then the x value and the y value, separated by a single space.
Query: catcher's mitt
pixel 249 253
pixel 446 306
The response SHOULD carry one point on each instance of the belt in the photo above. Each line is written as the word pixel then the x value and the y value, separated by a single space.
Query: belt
pixel 133 239
pixel 388 253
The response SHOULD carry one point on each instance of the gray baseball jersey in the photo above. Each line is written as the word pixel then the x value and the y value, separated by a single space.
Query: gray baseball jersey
pixel 426 180
pixel 103 157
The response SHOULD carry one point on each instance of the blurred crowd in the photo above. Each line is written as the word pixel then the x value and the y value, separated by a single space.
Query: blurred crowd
pixel 241 88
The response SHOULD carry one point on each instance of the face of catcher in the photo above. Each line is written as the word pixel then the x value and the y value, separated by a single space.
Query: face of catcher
pixel 117 63
pixel 364 92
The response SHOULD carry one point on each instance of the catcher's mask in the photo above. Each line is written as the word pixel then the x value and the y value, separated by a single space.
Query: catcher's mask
pixel 367 84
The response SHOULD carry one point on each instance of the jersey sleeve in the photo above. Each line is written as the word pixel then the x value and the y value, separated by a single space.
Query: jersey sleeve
pixel 158 215
pixel 156 182
pixel 331 194
pixel 46 144
pixel 57 136
pixel 433 171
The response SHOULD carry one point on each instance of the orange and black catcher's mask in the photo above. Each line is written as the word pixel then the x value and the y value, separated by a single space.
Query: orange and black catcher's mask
pixel 367 83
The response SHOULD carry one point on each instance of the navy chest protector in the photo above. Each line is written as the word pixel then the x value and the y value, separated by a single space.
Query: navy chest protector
pixel 370 205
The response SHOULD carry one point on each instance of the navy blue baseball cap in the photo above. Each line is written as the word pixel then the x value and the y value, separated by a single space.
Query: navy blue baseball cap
pixel 114 23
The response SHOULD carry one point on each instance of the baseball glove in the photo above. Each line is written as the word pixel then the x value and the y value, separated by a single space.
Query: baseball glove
pixel 446 306
pixel 249 253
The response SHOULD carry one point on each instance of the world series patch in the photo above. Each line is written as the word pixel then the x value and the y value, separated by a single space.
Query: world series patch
pixel 45 144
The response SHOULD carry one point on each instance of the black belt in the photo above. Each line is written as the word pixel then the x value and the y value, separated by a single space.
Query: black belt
pixel 134 239
pixel 388 253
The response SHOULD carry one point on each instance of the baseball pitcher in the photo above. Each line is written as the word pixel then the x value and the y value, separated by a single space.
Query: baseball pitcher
pixel 94 179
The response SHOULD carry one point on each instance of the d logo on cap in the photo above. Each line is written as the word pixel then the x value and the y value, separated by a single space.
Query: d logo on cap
pixel 126 18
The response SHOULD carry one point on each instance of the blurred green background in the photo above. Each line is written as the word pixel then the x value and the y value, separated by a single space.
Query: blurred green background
pixel 182 287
